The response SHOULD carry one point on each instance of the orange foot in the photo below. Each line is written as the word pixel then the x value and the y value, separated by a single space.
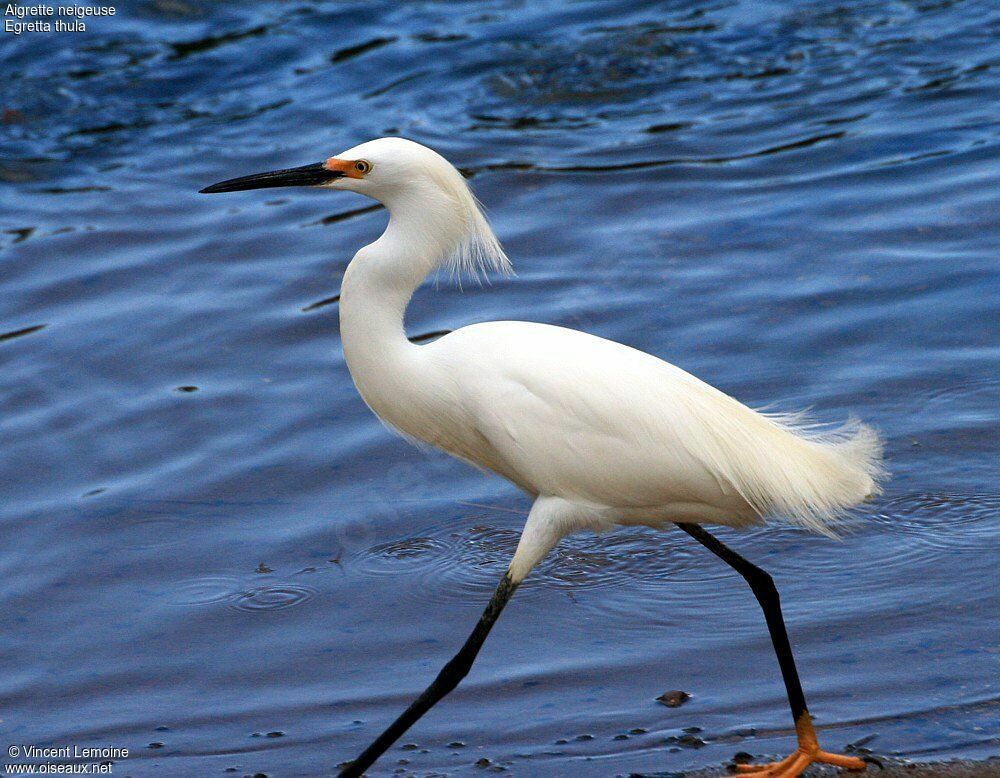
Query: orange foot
pixel 803 756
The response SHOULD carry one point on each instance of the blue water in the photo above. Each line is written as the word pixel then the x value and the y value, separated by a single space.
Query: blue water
pixel 212 554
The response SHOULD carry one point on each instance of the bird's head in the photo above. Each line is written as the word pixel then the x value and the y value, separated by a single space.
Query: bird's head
pixel 379 168
pixel 407 178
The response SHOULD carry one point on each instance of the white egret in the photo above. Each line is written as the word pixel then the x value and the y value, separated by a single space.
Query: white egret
pixel 599 434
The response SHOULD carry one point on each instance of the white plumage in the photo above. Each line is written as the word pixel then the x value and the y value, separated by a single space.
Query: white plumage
pixel 575 416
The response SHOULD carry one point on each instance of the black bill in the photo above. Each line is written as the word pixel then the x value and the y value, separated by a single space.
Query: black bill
pixel 307 175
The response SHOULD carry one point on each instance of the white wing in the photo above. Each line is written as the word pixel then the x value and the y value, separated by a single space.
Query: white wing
pixel 571 415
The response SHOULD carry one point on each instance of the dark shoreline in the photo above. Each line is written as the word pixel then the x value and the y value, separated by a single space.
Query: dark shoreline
pixel 887 767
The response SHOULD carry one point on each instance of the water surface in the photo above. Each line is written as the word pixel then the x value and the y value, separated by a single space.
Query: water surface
pixel 214 555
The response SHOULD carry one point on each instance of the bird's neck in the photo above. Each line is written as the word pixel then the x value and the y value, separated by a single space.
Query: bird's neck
pixel 375 291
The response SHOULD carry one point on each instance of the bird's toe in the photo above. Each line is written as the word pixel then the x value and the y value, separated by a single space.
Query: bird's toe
pixel 793 765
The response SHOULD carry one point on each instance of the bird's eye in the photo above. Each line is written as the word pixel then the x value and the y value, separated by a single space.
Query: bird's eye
pixel 363 166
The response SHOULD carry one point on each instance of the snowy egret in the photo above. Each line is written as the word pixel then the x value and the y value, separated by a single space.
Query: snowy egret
pixel 599 434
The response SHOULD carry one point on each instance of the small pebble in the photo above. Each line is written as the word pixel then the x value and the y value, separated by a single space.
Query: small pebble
pixel 484 762
pixel 638 731
pixel 621 737
pixel 456 744
pixel 410 746
pixel 155 744
pixel 690 741
pixel 276 733
pixel 673 699
pixel 584 737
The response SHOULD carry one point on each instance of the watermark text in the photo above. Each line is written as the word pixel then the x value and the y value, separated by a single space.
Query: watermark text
pixel 62 760
pixel 20 19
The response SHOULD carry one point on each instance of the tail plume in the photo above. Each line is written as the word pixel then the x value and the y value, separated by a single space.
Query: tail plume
pixel 785 465
pixel 830 471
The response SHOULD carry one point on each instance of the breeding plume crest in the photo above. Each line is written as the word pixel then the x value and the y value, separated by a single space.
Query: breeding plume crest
pixel 406 175
pixel 596 433
pixel 476 251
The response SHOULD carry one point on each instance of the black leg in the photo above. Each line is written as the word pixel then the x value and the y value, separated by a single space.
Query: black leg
pixel 447 679
pixel 767 595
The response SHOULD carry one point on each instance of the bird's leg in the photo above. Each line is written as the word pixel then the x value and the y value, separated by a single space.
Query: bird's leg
pixel 766 593
pixel 446 680
pixel 546 524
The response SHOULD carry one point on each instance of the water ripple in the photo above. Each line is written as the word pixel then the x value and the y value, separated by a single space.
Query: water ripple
pixel 944 523
pixel 914 527
pixel 234 594
pixel 271 597
pixel 978 399
pixel 456 564
pixel 207 590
